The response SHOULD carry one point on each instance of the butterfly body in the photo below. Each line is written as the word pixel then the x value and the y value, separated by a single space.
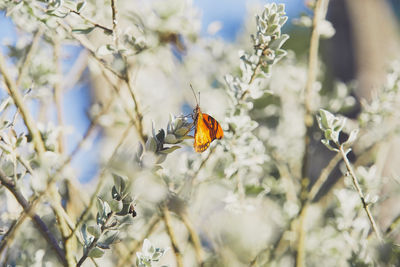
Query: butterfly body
pixel 207 129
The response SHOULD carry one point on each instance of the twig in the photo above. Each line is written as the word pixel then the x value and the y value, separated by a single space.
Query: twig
pixel 96 239
pixel 62 225
pixel 319 14
pixel 23 68
pixel 58 93
pixel 193 237
pixel 360 193
pixel 138 113
pixel 43 229
pixel 9 236
pixel 323 177
pixel 18 100
pixel 393 225
pixel 168 225
pixel 95 24
pixel 254 74
pixel 114 22
pixel 100 183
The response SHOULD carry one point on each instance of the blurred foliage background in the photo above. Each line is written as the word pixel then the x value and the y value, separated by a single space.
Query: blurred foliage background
pixel 97 164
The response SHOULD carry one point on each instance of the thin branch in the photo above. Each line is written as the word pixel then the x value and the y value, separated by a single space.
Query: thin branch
pixel 24 67
pixel 319 15
pixel 43 229
pixel 393 225
pixel 194 237
pixel 323 177
pixel 9 236
pixel 114 22
pixel 62 225
pixel 95 24
pixel 58 92
pixel 100 183
pixel 93 244
pixel 360 193
pixel 255 72
pixel 138 113
pixel 168 225
pixel 18 100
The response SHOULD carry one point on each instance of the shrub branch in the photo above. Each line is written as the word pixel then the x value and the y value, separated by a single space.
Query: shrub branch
pixel 360 193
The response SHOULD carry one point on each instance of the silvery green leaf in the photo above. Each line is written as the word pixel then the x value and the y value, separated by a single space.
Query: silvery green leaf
pixel 326 143
pixel 105 50
pixel 80 6
pixel 83 30
pixel 334 136
pixel 114 194
pixel 94 230
pixel 281 8
pixel 153 129
pixel 147 248
pixel 352 137
pixel 181 132
pixel 96 253
pixel 84 235
pixel 161 158
pixel 107 208
pixel 151 145
pixel 169 149
pixel 115 205
pixel 283 20
pixel 111 238
pixel 120 183
pixel 170 139
pixel 277 43
pixel 328 134
pixel 100 205
pixel 327 119
pixel 139 152
pixel 339 124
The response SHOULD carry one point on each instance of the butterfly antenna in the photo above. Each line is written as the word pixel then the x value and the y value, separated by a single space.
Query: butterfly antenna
pixel 195 97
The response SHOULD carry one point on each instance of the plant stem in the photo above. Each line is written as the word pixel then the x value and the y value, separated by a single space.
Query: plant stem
pixel 114 22
pixel 194 237
pixel 97 25
pixel 28 58
pixel 18 100
pixel 168 225
pixel 319 14
pixel 360 193
pixel 95 240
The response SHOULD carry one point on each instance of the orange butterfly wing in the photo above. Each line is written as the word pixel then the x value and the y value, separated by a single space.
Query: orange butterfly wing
pixel 207 129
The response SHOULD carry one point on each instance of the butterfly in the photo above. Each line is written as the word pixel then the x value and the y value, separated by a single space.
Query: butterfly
pixel 207 129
